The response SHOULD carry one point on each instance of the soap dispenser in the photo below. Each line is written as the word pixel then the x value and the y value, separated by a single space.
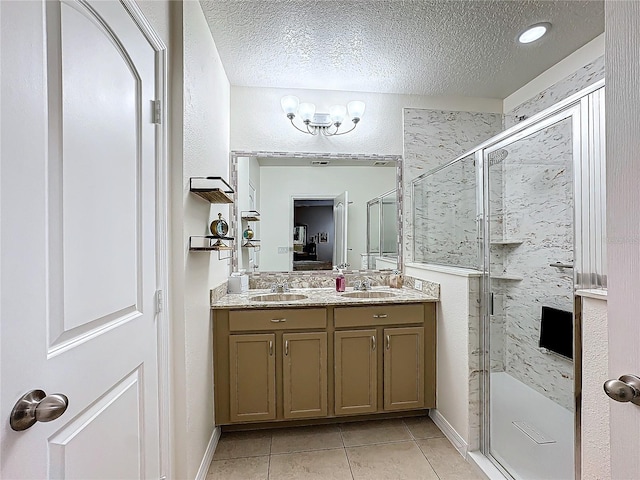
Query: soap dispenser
pixel 341 282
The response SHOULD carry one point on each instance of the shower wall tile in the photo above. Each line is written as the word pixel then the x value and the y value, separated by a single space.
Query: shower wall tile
pixel 475 363
pixel 575 82
pixel 537 192
pixel 433 138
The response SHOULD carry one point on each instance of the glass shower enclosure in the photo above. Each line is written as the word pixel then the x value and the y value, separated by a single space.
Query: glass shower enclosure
pixel 525 209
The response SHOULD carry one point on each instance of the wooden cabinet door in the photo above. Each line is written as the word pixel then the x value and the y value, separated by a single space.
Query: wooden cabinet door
pixel 403 368
pixel 252 375
pixel 304 374
pixel 355 372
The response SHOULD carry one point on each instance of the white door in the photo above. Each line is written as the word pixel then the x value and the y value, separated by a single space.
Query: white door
pixel 77 244
pixel 623 225
pixel 340 217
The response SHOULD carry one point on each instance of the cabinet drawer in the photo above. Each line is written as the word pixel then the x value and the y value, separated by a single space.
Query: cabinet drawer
pixel 277 319
pixel 378 315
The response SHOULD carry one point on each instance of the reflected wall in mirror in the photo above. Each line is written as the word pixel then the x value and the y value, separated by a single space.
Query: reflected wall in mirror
pixel 313 211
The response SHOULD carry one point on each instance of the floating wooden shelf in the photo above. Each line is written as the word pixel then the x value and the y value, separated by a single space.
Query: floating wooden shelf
pixel 208 243
pixel 212 189
pixel 250 215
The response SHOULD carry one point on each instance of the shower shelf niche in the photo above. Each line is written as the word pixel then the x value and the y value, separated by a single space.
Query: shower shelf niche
pixel 506 276
pixel 507 242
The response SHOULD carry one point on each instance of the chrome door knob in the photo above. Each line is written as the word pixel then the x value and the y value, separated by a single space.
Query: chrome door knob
pixel 625 389
pixel 37 406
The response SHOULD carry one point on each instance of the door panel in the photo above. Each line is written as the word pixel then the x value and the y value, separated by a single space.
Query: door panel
pixel 252 377
pixel 78 239
pixel 356 370
pixel 304 374
pixel 403 368
pixel 97 178
pixel 120 413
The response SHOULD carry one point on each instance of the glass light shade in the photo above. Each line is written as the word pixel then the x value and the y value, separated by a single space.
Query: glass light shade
pixel 306 111
pixel 290 104
pixel 533 33
pixel 356 109
pixel 337 113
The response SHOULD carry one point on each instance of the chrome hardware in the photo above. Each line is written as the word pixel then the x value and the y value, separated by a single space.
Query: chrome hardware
pixel 37 406
pixel 280 287
pixel 344 265
pixel 380 315
pixel 388 342
pixel 364 284
pixel 561 265
pixel 278 320
pixel 270 348
pixel 286 348
pixel 625 389
pixel 373 342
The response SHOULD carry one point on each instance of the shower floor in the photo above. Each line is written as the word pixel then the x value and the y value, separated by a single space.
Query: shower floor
pixel 531 436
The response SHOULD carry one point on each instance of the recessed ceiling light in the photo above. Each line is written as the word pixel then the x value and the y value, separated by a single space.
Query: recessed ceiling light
pixel 534 32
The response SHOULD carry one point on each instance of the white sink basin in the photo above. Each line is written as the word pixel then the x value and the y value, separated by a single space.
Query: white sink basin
pixel 278 297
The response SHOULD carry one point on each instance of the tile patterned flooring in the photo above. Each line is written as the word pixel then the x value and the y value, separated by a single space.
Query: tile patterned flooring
pixel 399 449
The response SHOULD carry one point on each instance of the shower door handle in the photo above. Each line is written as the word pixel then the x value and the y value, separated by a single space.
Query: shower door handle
pixel 625 389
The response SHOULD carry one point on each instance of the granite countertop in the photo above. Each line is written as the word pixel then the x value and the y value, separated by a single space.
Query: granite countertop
pixel 321 297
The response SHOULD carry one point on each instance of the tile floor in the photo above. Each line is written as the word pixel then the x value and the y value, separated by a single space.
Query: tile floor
pixel 411 449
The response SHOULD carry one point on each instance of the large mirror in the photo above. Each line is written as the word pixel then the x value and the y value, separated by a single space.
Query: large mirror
pixel 311 212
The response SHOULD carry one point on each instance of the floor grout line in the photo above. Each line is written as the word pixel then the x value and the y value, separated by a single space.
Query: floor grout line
pixel 346 453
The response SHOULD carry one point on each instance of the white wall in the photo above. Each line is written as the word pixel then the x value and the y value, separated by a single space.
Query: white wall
pixel 279 184
pixel 258 122
pixel 596 451
pixel 199 103
pixel 453 391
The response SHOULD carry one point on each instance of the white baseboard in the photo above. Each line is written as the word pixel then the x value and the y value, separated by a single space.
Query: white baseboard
pixel 208 454
pixel 453 436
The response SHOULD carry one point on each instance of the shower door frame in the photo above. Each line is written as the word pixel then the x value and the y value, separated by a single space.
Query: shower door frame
pixel 586 110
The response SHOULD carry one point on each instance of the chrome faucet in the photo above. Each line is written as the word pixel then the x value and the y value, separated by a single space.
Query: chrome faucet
pixel 280 287
pixel 364 284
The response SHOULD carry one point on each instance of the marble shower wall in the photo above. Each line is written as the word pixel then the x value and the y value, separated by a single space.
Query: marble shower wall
pixel 537 215
pixel 433 138
pixel 445 209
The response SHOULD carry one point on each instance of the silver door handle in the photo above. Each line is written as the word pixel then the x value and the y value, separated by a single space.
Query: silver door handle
pixel 286 348
pixel 373 342
pixel 270 348
pixel 37 406
pixel 388 342
pixel 625 389
pixel 380 315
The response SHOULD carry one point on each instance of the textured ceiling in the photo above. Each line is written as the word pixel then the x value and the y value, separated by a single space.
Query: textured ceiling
pixel 435 47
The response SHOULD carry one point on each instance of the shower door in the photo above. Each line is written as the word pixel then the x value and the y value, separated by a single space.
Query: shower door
pixel 529 255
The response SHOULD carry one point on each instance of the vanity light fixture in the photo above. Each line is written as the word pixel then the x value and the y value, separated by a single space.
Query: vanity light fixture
pixel 534 32
pixel 322 123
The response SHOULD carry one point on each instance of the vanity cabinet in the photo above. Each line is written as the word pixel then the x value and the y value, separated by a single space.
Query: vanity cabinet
pixel 383 369
pixel 280 364
pixel 304 375
pixel 252 377
pixel 356 372
pixel 270 364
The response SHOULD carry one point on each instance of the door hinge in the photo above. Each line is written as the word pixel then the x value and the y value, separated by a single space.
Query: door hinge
pixel 159 300
pixel 157 111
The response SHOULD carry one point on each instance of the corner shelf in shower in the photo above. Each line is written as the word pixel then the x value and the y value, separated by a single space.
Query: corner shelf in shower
pixel 212 189
pixel 507 242
pixel 505 276
pixel 251 244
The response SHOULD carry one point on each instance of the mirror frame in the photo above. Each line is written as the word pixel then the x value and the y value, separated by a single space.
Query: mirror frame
pixel 233 170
